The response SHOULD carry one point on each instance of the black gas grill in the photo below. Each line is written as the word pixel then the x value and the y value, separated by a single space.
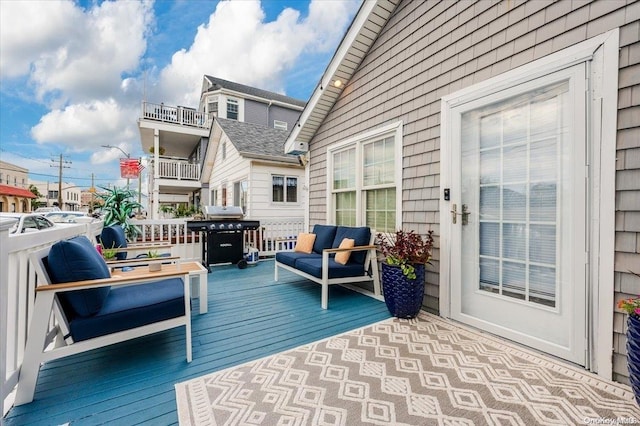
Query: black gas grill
pixel 223 230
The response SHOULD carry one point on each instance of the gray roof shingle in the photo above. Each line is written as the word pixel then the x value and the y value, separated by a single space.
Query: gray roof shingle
pixel 256 141
pixel 218 83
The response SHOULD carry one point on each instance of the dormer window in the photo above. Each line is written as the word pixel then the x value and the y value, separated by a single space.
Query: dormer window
pixel 232 109
pixel 212 106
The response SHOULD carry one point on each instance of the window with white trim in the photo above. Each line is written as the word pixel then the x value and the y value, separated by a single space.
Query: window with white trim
pixel 240 194
pixel 281 125
pixel 284 189
pixel 212 106
pixel 232 109
pixel 365 180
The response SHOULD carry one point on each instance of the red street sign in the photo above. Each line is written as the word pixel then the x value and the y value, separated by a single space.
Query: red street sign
pixel 130 168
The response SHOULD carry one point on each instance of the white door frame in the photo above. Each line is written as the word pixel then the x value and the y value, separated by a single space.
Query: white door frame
pixel 601 55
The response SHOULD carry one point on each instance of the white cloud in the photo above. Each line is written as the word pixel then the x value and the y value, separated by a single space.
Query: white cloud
pixel 88 125
pixel 84 65
pixel 237 44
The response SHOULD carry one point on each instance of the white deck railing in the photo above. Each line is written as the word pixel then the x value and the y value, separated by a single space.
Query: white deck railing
pixel 18 282
pixel 176 115
pixel 178 169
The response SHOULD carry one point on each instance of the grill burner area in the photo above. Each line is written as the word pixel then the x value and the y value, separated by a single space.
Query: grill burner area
pixel 223 231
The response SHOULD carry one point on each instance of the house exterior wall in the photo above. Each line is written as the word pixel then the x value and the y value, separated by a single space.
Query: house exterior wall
pixel 13 175
pixel 260 192
pixel 227 170
pixel 264 114
pixel 255 112
pixel 236 168
pixel 279 113
pixel 431 49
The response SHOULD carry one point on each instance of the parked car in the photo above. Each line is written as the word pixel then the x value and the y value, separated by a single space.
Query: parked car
pixel 27 222
pixel 43 210
pixel 69 217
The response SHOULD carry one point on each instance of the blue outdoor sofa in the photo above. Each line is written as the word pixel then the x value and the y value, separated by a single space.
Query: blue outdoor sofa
pixel 320 265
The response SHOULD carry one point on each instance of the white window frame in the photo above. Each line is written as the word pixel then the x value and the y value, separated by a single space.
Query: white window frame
pixel 236 102
pixel 600 53
pixel 390 130
pixel 213 100
pixel 284 195
pixel 281 125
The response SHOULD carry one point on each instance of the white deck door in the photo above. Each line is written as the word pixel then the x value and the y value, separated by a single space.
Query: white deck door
pixel 518 247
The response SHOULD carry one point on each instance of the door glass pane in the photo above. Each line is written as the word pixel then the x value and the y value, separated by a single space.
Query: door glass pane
pixel 511 154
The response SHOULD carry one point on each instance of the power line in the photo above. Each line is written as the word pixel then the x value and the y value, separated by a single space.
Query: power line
pixel 69 177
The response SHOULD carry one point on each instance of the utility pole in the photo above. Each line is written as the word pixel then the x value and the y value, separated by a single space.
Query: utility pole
pixel 61 165
pixel 139 186
pixel 92 190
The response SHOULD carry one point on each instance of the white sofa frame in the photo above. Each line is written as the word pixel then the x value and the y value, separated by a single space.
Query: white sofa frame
pixel 370 263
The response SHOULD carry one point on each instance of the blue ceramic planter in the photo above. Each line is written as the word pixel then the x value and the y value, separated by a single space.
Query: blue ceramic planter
pixel 402 296
pixel 633 355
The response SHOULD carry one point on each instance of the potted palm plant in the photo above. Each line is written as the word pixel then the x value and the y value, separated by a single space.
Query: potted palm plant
pixel 405 255
pixel 632 308
pixel 119 207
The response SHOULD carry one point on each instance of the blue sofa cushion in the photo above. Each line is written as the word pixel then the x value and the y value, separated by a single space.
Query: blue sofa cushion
pixel 76 259
pixel 361 236
pixel 132 306
pixel 290 257
pixel 325 234
pixel 313 266
pixel 113 237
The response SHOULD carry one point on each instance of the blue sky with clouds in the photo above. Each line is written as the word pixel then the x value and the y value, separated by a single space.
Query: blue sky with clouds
pixel 73 73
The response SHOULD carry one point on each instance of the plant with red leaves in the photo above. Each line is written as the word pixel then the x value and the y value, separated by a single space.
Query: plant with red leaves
pixel 405 249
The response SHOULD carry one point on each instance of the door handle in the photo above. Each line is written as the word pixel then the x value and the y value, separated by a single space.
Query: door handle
pixel 465 214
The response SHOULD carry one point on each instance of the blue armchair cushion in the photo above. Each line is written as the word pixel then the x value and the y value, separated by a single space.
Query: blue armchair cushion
pixel 290 257
pixel 313 266
pixel 132 306
pixel 325 234
pixel 76 259
pixel 113 237
pixel 360 235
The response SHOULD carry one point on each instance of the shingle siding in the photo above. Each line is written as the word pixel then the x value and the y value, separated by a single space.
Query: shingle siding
pixel 429 49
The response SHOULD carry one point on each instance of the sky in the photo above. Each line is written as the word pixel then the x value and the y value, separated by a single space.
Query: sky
pixel 73 74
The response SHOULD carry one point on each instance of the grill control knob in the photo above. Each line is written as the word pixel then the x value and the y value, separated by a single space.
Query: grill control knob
pixel 212 226
pixel 238 226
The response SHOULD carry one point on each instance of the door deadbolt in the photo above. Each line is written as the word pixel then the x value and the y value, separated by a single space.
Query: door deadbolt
pixel 465 214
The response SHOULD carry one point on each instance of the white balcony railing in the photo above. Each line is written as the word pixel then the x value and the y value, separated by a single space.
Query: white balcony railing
pixel 178 169
pixel 176 115
pixel 18 281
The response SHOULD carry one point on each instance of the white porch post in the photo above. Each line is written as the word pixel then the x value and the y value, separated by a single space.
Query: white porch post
pixel 155 210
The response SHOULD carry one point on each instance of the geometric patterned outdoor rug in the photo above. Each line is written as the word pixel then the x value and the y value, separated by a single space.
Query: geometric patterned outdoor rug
pixel 425 371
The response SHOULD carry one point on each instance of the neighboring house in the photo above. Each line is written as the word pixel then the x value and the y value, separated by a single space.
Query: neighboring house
pixel 177 137
pixel 512 129
pixel 15 196
pixel 250 170
pixel 71 194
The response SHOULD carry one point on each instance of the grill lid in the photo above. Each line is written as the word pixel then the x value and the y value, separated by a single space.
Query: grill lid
pixel 222 212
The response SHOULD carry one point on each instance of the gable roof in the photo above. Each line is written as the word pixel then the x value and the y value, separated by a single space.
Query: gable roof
pixel 256 141
pixel 364 30
pixel 218 83
pixel 17 192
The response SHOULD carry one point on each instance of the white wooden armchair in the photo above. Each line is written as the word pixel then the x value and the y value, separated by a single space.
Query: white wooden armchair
pixel 98 311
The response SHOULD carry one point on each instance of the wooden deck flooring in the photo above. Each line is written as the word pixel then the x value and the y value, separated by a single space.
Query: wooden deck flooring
pixel 250 316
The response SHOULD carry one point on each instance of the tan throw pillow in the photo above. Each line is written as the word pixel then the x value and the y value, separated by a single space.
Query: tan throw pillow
pixel 343 257
pixel 304 244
